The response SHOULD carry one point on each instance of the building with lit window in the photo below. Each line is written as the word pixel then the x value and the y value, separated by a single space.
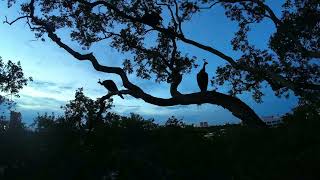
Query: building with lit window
pixel 204 124
pixel 272 121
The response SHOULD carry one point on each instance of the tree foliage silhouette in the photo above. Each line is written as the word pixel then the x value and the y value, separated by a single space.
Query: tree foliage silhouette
pixel 12 80
pixel 289 63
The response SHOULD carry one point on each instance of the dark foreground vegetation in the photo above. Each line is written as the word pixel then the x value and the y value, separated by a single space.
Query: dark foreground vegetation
pixel 134 148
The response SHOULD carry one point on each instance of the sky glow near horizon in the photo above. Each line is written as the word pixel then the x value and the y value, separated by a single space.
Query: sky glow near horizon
pixel 57 75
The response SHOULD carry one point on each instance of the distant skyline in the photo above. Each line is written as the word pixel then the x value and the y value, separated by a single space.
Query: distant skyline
pixel 57 74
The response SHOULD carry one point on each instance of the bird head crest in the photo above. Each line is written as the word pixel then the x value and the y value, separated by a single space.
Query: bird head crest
pixel 99 81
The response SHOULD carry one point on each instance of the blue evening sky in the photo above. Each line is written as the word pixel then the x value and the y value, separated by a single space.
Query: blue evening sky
pixel 57 75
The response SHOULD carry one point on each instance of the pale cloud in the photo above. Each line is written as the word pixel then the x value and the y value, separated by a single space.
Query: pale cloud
pixel 45 93
pixel 38 103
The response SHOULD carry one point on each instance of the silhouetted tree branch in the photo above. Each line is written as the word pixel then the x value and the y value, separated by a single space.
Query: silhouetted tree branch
pixel 286 68
pixel 273 78
pixel 233 104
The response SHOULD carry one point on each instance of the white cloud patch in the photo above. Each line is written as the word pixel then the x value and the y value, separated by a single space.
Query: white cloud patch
pixel 39 103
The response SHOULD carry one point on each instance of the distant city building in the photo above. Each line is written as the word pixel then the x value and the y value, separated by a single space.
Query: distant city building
pixel 204 124
pixel 272 121
pixel 15 120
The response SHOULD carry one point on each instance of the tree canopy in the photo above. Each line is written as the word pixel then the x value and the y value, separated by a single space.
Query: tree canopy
pixel 289 64
pixel 12 80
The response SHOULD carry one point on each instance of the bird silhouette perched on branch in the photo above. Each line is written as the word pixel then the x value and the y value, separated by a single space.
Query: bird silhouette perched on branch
pixel 111 86
pixel 202 78
pixel 152 18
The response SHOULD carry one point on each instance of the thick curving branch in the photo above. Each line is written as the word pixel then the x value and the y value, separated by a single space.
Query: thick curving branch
pixel 233 104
